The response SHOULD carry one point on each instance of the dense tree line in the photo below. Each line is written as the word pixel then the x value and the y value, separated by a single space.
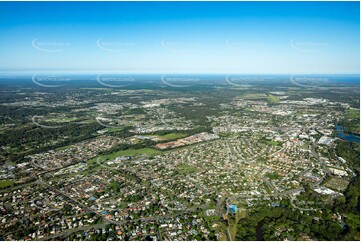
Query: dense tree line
pixel 285 222
pixel 39 139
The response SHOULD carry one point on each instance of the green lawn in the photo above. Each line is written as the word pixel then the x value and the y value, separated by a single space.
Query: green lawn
pixel 273 99
pixel 64 148
pixel 273 143
pixel 270 98
pixel 173 136
pixel 5 183
pixel 270 142
pixel 128 152
pixel 186 169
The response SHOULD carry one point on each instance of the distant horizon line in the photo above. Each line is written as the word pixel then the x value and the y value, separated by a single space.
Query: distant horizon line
pixel 158 72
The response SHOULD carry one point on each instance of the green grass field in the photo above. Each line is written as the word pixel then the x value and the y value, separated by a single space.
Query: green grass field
pixel 110 130
pixel 64 148
pixel 6 183
pixel 173 136
pixel 129 152
pixel 186 169
pixel 273 99
pixel 270 98
pixel 272 142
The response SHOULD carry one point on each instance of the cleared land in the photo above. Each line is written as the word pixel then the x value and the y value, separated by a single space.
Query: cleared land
pixel 273 99
pixel 128 152
pixel 171 136
pixel 5 183
pixel 186 169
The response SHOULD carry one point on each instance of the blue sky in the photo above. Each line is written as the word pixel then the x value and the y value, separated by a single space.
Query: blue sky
pixel 181 37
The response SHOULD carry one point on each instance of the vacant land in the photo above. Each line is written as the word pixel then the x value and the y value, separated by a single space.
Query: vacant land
pixel 186 169
pixel 337 183
pixel 64 148
pixel 273 99
pixel 171 136
pixel 6 183
pixel 128 152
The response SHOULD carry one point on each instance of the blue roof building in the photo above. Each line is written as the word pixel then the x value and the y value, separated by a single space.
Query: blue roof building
pixel 232 207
